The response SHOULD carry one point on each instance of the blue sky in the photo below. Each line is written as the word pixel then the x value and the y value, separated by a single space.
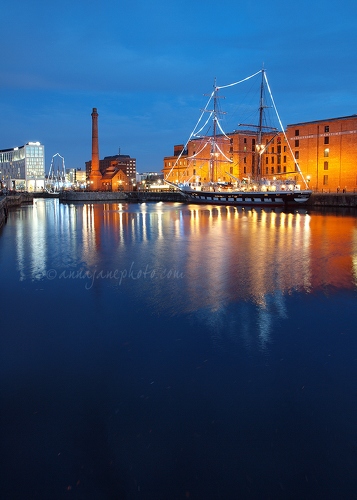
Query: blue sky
pixel 146 66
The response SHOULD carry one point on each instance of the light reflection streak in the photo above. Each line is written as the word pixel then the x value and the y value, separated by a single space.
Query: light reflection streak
pixel 354 256
pixel 225 254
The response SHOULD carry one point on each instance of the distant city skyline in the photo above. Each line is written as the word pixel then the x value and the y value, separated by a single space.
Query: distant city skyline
pixel 146 68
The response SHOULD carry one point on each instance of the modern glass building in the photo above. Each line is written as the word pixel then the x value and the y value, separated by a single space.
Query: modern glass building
pixel 23 168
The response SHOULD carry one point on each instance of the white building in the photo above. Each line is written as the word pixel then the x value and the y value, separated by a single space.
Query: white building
pixel 23 168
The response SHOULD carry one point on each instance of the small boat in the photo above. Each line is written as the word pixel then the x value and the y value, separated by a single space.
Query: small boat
pixel 215 152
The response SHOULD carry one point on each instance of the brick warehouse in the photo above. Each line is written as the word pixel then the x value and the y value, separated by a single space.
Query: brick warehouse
pixel 326 151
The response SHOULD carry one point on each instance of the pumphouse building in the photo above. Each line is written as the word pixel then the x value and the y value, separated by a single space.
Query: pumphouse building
pixel 113 173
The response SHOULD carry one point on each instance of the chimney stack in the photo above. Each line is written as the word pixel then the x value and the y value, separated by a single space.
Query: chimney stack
pixel 95 175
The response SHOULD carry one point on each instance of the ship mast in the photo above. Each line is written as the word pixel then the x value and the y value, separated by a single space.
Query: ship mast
pixel 215 151
pixel 259 146
pixel 213 155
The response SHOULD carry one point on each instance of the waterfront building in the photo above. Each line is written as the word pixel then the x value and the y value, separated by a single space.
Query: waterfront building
pixel 80 177
pixel 119 162
pixel 118 171
pixel 325 151
pixel 76 177
pixel 116 180
pixel 71 176
pixel 151 180
pixel 23 168
pixel 192 163
pixel 113 173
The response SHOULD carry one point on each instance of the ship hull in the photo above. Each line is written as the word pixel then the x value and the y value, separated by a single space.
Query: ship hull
pixel 248 198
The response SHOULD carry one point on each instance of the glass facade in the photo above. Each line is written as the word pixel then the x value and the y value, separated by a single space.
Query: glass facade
pixel 23 168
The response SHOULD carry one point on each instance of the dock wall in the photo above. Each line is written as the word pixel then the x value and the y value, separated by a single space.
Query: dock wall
pixel 10 201
pixel 344 200
pixel 3 210
pixel 134 196
pixel 92 196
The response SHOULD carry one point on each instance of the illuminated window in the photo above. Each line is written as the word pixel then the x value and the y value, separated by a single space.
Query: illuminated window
pixel 326 152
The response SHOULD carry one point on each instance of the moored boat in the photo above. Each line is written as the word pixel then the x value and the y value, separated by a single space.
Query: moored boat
pixel 213 183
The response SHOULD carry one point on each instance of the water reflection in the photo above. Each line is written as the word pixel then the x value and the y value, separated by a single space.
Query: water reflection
pixel 197 258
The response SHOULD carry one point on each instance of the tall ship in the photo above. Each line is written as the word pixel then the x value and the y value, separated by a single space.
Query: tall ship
pixel 208 175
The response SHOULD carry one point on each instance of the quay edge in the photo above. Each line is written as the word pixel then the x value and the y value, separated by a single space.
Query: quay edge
pixel 316 200
pixel 343 200
pixel 131 196
pixel 7 202
pixel 3 210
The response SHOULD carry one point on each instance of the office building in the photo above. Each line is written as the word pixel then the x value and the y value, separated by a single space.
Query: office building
pixel 23 168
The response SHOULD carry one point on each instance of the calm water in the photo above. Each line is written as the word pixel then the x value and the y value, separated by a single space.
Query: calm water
pixel 169 351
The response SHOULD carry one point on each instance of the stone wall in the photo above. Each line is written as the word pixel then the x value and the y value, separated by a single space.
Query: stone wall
pixel 135 196
pixel 3 210
pixel 140 196
pixel 7 202
pixel 332 200
pixel 92 196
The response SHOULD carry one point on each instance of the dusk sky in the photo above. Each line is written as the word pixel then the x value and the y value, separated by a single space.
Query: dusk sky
pixel 147 65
